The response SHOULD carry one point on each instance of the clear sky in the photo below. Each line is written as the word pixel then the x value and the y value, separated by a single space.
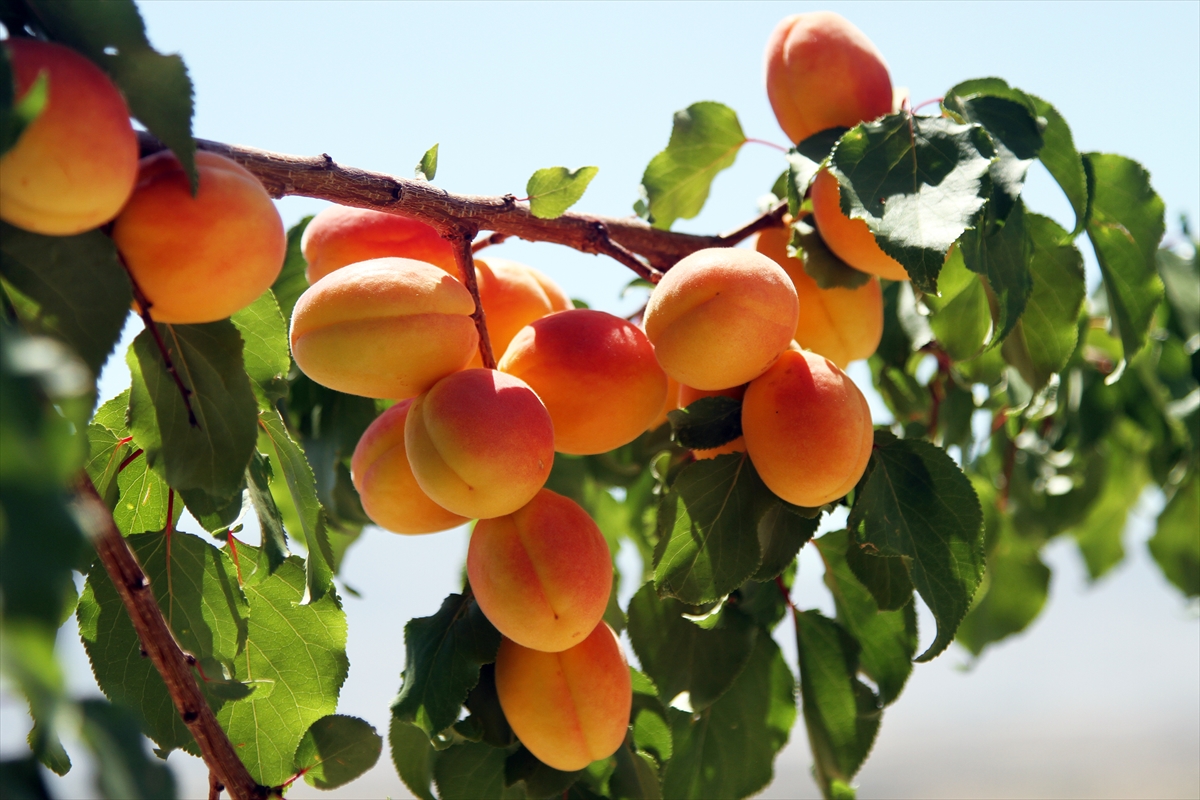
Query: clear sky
pixel 1101 697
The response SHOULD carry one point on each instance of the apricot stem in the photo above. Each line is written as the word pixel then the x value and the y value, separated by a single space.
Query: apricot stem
pixel 488 241
pixel 466 267
pixel 778 147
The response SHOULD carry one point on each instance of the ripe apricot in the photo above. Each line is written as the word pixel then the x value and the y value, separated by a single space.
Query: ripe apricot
pixel 841 324
pixel 720 317
pixel 595 372
pixel 388 327
pixel 342 235
pixel 541 574
pixel 385 483
pixel 201 258
pixel 807 429
pixel 514 295
pixel 849 239
pixel 689 395
pixel 75 164
pixel 822 72
pixel 669 404
pixel 480 443
pixel 569 708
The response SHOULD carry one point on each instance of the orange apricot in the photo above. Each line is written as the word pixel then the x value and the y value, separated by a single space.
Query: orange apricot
pixel 807 429
pixel 388 327
pixel 342 235
pixel 669 405
pixel 514 295
pixel 541 574
pixel 822 72
pixel 75 164
pixel 689 395
pixel 385 483
pixel 595 372
pixel 849 239
pixel 721 317
pixel 480 443
pixel 841 324
pixel 570 708
pixel 201 258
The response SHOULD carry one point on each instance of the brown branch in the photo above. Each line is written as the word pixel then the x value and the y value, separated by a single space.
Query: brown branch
pixel 172 663
pixel 623 239
pixel 466 268
pixel 488 241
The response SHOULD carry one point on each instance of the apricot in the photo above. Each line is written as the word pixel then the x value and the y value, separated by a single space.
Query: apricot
pixel 822 72
pixel 669 404
pixel 542 574
pixel 75 164
pixel 849 239
pixel 385 483
pixel 689 395
pixel 514 295
pixel 841 324
pixel 201 258
pixel 480 443
pixel 721 317
pixel 388 327
pixel 569 708
pixel 342 235
pixel 807 429
pixel 595 372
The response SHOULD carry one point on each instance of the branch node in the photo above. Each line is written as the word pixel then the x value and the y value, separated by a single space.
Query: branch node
pixel 190 716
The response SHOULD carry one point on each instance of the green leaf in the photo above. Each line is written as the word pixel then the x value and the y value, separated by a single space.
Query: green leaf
pixel 1125 228
pixel 553 190
pixel 267 727
pixel 886 578
pixel 961 317
pixel 27 661
pixel 1100 533
pixel 287 458
pixel 484 704
pixel 413 757
pixel 635 776
pixel 157 87
pixel 728 749
pixel 16 114
pixel 123 767
pixel 1013 594
pixel 270 521
pixel 214 515
pixel 888 639
pixel 142 502
pixel 473 771
pixel 999 250
pixel 21 779
pixel 1063 162
pixel 541 781
pixel 1175 545
pixel 707 525
pixel 105 449
pixel 705 139
pixel 335 750
pixel 427 166
pixel 70 287
pixel 829 271
pixel 213 454
pixel 918 182
pixel 1046 335
pixel 916 502
pixel 782 531
pixel 1180 276
pixel 683 658
pixel 707 423
pixel 840 712
pixel 291 282
pixel 207 611
pixel 443 654
pixel 265 351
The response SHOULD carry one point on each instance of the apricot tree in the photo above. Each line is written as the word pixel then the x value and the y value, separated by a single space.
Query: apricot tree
pixel 367 366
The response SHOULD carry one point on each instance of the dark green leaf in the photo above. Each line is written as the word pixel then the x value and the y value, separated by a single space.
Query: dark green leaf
pixel 829 271
pixel 541 781
pixel 781 534
pixel 336 749
pixel 918 182
pixel 1175 545
pixel 728 749
pixel 886 578
pixel 124 770
pixel 1125 228
pixel 917 503
pixel 213 454
pixel 443 654
pixel 413 756
pixel 473 771
pixel 707 423
pixel 635 776
pixel 683 658
pixel 427 166
pixel 999 250
pixel 888 638
pixel 69 287
pixel 265 352
pixel 705 139
pixel 270 522
pixel 817 147
pixel 16 113
pixel 21 779
pixel 553 190
pixel 840 712
pixel 484 704
pixel 1063 162
pixel 157 87
pixel 215 516
pixel 291 282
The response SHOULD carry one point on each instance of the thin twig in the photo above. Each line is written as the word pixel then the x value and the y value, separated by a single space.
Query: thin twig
pixel 214 787
pixel 488 241
pixel 461 240
pixel 160 646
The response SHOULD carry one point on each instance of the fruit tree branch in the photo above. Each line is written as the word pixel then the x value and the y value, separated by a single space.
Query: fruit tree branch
pixel 623 239
pixel 466 268
pixel 172 663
